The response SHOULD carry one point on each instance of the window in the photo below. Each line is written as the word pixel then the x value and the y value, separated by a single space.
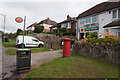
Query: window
pixel 118 13
pixel 115 14
pixel 88 20
pixel 94 19
pixel 69 25
pixel 81 21
pixel 35 40
pixel 119 34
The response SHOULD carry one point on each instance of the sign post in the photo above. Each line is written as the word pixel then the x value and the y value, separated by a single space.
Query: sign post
pixel 19 20
pixel 24 31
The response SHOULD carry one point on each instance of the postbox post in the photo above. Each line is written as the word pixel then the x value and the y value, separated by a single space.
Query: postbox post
pixel 66 47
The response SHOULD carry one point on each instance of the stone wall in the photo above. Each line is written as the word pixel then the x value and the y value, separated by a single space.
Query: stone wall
pixel 52 41
pixel 105 52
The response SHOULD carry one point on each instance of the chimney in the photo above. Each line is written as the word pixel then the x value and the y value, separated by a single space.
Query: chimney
pixel 68 17
pixel 48 20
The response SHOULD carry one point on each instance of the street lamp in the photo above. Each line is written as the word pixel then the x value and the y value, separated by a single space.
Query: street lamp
pixel 4 21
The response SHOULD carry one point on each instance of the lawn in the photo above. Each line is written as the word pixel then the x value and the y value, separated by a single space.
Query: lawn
pixel 33 50
pixel 74 67
pixel 11 43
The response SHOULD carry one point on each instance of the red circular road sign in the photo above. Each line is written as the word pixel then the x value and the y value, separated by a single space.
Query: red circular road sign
pixel 19 19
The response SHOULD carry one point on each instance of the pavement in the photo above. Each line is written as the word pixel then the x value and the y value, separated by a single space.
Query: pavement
pixel 9 62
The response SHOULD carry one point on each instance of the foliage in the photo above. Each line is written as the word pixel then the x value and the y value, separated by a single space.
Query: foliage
pixel 46 32
pixel 74 67
pixel 59 33
pixel 19 31
pixel 38 29
pixel 12 35
pixel 108 38
pixel 63 29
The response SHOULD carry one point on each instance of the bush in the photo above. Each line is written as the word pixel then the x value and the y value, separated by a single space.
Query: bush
pixel 63 29
pixel 91 37
pixel 38 29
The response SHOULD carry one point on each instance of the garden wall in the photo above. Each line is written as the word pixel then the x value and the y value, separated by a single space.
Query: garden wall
pixel 105 52
pixel 52 41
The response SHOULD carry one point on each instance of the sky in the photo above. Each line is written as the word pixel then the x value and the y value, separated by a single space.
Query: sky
pixel 37 10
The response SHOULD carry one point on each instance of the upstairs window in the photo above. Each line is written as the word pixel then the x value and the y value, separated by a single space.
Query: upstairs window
pixel 81 21
pixel 88 20
pixel 94 19
pixel 118 13
pixel 115 14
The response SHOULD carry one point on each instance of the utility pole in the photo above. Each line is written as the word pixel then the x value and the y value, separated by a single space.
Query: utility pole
pixel 4 16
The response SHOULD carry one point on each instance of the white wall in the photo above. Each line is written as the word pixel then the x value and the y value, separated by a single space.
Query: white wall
pixel 46 26
pixel 31 28
pixel 104 19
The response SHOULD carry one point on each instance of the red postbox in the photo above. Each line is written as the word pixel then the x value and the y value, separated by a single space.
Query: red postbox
pixel 66 47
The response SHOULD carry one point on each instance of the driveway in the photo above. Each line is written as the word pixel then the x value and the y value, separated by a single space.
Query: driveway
pixel 9 62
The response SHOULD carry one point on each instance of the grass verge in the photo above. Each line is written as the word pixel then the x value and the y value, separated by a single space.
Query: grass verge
pixel 75 67
pixel 11 43
pixel 33 50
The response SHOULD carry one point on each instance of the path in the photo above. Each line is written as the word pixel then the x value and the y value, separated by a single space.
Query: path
pixel 36 58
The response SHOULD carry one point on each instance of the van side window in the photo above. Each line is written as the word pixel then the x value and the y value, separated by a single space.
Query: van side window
pixel 35 40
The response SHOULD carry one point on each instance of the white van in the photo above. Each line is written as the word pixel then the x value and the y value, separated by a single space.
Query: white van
pixel 29 41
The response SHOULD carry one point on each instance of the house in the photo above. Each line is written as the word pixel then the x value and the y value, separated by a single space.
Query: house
pixel 102 18
pixel 47 23
pixel 31 27
pixel 55 28
pixel 70 24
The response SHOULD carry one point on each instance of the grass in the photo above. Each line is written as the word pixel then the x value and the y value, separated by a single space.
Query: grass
pixel 74 67
pixel 11 43
pixel 33 50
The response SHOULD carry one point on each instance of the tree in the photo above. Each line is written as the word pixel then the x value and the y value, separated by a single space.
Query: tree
pixel 19 31
pixel 38 29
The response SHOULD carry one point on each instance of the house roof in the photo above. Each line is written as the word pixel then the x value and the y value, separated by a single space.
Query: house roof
pixel 100 8
pixel 32 25
pixel 48 21
pixel 113 24
pixel 69 20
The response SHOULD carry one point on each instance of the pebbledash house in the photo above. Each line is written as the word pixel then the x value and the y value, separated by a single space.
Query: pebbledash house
pixel 102 18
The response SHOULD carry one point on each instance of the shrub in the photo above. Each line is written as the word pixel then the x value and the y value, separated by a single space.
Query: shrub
pixel 63 29
pixel 108 38
pixel 38 29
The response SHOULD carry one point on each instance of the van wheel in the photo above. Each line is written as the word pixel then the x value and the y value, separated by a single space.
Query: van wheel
pixel 40 45
pixel 21 45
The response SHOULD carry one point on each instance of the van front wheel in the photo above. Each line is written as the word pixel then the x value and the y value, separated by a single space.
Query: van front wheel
pixel 40 45
pixel 20 46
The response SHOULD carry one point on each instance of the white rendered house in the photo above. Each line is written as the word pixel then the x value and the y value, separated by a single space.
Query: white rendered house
pixel 102 18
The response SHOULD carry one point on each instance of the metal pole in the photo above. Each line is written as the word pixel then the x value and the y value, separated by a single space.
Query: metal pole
pixel 4 23
pixel 24 31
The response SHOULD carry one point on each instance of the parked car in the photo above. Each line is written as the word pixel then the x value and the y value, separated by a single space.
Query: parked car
pixel 29 41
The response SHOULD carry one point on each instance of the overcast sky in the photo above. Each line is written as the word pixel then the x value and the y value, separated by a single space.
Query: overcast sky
pixel 36 10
